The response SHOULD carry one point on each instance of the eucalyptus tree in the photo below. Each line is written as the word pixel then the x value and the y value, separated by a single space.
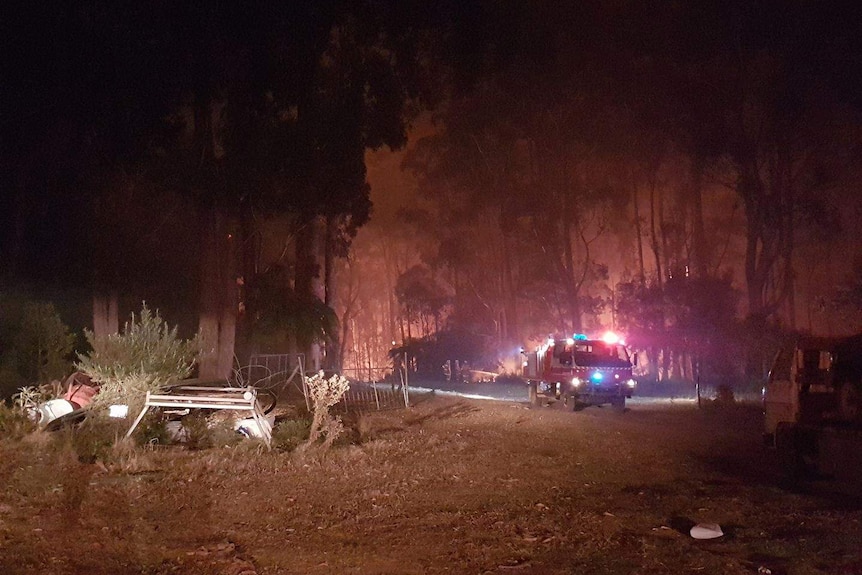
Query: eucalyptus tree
pixel 470 174
pixel 769 122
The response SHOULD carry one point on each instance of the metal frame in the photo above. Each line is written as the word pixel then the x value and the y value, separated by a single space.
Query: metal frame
pixel 196 397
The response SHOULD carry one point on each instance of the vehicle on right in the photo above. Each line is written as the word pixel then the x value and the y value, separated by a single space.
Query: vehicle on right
pixel 812 404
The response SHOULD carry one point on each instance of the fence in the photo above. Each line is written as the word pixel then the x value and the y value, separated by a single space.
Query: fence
pixel 363 397
pixel 267 371
pixel 370 392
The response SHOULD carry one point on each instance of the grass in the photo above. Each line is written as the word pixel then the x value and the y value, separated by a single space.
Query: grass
pixel 448 486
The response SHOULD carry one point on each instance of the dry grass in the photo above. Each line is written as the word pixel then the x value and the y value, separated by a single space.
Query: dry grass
pixel 448 486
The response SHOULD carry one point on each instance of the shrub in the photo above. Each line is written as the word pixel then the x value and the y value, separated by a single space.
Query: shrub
pixel 324 394
pixel 94 438
pixel 289 434
pixel 29 398
pixel 152 430
pixel 144 357
pixel 35 344
pixel 205 431
pixel 14 422
pixel 724 395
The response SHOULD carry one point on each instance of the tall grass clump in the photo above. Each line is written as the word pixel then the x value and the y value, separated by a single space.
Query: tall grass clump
pixel 16 420
pixel 290 434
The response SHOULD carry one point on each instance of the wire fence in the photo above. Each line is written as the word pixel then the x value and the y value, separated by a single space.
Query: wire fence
pixel 371 388
pixel 365 397
pixel 375 389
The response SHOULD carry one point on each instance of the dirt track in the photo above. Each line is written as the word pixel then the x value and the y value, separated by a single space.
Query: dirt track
pixel 448 486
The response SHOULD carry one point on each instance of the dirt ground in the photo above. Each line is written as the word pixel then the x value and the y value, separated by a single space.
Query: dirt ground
pixel 449 485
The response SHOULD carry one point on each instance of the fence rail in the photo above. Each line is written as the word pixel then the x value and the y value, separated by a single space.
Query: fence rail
pixel 368 374
pixel 369 388
pixel 363 397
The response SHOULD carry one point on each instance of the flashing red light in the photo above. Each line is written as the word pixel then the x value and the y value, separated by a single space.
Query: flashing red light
pixel 611 338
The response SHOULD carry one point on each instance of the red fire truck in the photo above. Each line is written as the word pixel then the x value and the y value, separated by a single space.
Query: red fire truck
pixel 578 371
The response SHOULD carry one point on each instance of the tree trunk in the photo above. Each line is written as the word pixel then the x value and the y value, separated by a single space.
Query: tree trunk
pixel 106 320
pixel 638 232
pixel 698 233
pixel 248 266
pixel 654 236
pixel 333 345
pixel 571 285
pixel 509 330
pixel 219 297
pixel 309 283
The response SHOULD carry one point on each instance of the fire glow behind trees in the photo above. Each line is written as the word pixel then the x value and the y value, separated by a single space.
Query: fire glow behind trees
pixel 212 160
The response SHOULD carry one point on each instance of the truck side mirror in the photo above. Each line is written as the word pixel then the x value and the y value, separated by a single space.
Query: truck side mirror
pixel 635 359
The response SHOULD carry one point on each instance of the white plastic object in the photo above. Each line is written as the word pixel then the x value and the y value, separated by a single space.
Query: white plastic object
pixel 54 408
pixel 706 531
pixel 250 428
pixel 118 411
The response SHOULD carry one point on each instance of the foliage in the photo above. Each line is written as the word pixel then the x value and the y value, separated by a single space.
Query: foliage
pixel 144 357
pixel 694 317
pixel 325 392
pixel 423 296
pixel 94 438
pixel 28 397
pixel 289 434
pixel 15 422
pixel 35 345
pixel 277 314
pixel 200 431
pixel 152 430
pixel 427 355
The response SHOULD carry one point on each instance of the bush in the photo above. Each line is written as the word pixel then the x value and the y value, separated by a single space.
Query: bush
pixel 14 423
pixel 94 438
pixel 144 357
pixel 35 345
pixel 290 434
pixel 325 392
pixel 724 395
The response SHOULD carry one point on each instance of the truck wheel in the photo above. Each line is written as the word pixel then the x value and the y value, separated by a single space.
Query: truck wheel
pixel 849 401
pixel 533 392
pixel 619 404
pixel 791 449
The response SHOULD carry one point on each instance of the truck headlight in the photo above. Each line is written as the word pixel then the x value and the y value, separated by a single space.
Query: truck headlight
pixel 576 382
pixel 631 383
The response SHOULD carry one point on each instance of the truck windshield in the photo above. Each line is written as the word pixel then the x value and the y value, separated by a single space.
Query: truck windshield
pixel 600 354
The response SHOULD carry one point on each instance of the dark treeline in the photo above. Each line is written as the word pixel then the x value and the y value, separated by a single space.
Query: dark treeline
pixel 679 172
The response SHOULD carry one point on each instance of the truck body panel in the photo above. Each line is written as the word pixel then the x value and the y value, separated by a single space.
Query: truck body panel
pixel 812 404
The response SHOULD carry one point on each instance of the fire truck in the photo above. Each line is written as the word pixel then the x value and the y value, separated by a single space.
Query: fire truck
pixel 577 372
pixel 812 404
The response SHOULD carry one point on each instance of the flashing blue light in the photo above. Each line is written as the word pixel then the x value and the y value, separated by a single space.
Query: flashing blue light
pixel 597 376
pixel 581 336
